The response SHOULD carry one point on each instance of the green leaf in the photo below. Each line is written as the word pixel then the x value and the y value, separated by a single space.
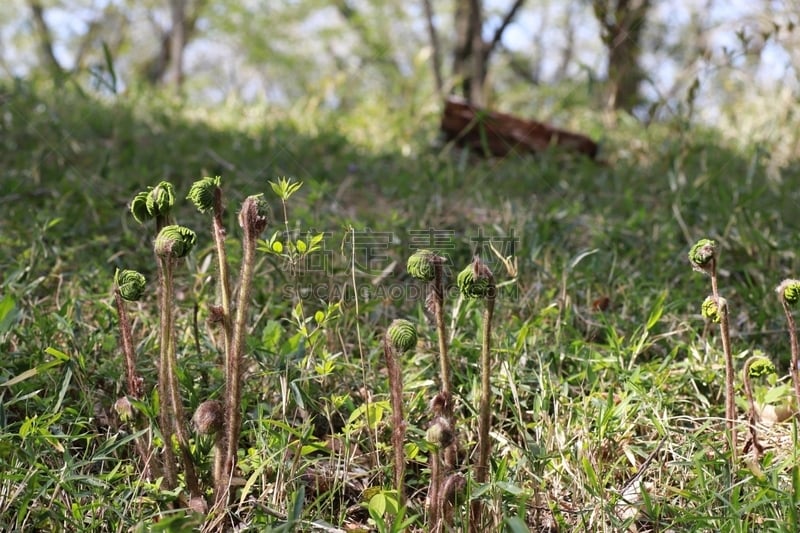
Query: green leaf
pixel 254 477
pixel 26 427
pixel 31 372
pixel 8 314
pixel 516 525
pixel 297 507
pixel 316 239
pixel 510 488
pixel 52 223
pixel 480 490
pixel 377 504
pixel 319 316
pixel 776 394
pixel 658 310
pixel 64 385
pixel 58 354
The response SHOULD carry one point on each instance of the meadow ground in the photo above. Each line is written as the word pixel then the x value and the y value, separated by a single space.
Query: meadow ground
pixel 607 384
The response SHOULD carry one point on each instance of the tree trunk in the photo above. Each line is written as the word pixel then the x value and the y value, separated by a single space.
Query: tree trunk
pixel 622 23
pixel 167 64
pixel 435 48
pixel 177 42
pixel 471 54
pixel 469 65
pixel 47 57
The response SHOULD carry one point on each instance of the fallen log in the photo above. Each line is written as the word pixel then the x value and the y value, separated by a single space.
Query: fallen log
pixel 498 134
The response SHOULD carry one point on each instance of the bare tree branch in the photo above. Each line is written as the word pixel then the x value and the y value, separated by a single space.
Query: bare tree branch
pixel 45 37
pixel 498 33
pixel 569 48
pixel 436 50
pixel 177 42
pixel 181 31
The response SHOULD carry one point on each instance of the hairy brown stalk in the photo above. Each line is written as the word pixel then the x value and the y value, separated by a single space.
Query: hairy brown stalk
pixel 253 221
pixel 134 383
pixel 166 413
pixel 753 416
pixel 218 230
pixel 793 342
pixel 483 275
pixel 175 415
pixel 437 289
pixel 730 401
pixel 434 507
pixel 398 421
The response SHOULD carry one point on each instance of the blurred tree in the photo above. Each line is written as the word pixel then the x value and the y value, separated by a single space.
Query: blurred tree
pixel 471 53
pixel 44 38
pixel 167 65
pixel 621 24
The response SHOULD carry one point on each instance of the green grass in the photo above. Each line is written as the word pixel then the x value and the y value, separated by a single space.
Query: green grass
pixel 582 397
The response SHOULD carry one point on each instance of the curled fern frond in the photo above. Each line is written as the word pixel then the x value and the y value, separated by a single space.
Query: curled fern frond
pixel 161 199
pixel 139 209
pixel 789 290
pixel 440 432
pixel 124 408
pixel 254 215
pixel 420 265
pixel 131 284
pixel 476 280
pixel 155 201
pixel 175 241
pixel 759 366
pixel 208 418
pixel 402 335
pixel 712 308
pixel 702 254
pixel 201 193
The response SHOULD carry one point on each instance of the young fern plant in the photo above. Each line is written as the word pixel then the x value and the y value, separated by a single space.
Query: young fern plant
pixel 129 286
pixel 441 436
pixel 755 367
pixel 206 195
pixel 428 266
pixel 222 419
pixel 477 281
pixel 789 294
pixel 253 219
pixel 209 419
pixel 401 336
pixel 154 203
pixel 172 244
pixel 703 258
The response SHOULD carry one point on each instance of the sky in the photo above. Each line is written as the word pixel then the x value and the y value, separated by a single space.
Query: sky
pixel 536 20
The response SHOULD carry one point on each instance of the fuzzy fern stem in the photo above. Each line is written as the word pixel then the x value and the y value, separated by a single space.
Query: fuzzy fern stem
pixel 165 411
pixel 173 243
pixel 789 294
pixel 477 281
pixel 400 337
pixel 253 220
pixel 715 309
